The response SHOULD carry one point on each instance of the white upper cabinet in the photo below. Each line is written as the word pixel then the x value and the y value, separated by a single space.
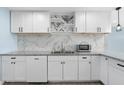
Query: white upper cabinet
pixel 98 21
pixel 80 22
pixel 29 22
pixel 93 22
pixel 41 22
pixel 21 22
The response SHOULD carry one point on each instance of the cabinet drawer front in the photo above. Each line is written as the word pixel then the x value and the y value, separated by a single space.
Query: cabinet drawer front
pixel 70 58
pixel 84 58
pixel 38 57
pixel 117 64
pixel 13 58
pixel 54 58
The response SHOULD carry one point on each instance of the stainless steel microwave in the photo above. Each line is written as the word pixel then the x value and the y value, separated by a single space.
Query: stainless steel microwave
pixel 83 48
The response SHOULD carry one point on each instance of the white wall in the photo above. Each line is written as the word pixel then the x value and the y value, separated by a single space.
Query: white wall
pixel 7 40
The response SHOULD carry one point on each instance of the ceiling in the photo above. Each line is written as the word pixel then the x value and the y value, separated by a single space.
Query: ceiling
pixel 61 9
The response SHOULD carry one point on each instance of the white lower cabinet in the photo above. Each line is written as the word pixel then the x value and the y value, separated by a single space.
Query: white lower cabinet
pixel 36 68
pixel 54 70
pixel 95 68
pixel 104 70
pixel 116 72
pixel 70 69
pixel 84 67
pixel 13 68
pixel 62 68
pixel 20 71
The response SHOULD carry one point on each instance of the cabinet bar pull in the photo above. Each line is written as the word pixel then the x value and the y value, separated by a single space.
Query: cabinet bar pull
pixel 84 57
pixel 36 58
pixel 13 57
pixel 12 62
pixel 120 65
pixel 19 29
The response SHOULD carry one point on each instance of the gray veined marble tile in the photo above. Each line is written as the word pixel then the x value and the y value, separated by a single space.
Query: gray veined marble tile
pixel 39 42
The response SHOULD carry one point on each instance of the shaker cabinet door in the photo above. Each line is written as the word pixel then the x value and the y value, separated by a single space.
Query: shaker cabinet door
pixel 41 22
pixel 8 71
pixel 70 69
pixel 98 21
pixel 20 71
pixel 37 68
pixel 54 71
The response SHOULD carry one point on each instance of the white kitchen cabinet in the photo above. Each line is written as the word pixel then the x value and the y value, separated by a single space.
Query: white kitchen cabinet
pixel 8 71
pixel 116 72
pixel 80 22
pixel 29 22
pixel 70 68
pixel 41 22
pixel 20 71
pixel 98 21
pixel 13 69
pixel 21 22
pixel 104 70
pixel 62 68
pixel 84 67
pixel 36 68
pixel 54 70
pixel 0 69
pixel 95 67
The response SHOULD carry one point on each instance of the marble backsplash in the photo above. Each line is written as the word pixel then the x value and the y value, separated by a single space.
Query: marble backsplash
pixel 54 41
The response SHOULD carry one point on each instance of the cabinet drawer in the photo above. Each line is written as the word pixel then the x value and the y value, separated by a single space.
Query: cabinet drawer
pixel 84 58
pixel 70 58
pixel 54 58
pixel 116 64
pixel 13 58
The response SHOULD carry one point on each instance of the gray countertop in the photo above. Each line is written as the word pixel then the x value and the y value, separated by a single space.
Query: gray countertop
pixel 119 56
pixel 39 53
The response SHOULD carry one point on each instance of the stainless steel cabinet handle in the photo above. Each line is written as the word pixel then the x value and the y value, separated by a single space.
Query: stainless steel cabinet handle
pixel 106 58
pixel 36 58
pixel 120 65
pixel 21 29
pixel 98 29
pixel 13 57
pixel 62 62
pixel 12 62
pixel 84 57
